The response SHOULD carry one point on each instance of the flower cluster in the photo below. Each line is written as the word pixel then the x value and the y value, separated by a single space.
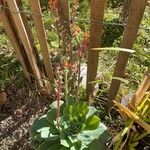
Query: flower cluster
pixel 75 30
pixel 84 45
pixel 68 65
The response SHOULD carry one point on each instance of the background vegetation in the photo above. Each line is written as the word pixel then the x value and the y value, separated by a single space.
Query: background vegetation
pixel 112 36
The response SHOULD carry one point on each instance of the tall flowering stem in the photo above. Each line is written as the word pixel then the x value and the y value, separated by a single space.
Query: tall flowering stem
pixel 80 53
pixel 58 102
pixel 76 3
pixel 66 82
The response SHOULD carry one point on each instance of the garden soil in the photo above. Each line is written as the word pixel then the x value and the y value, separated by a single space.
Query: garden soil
pixel 23 105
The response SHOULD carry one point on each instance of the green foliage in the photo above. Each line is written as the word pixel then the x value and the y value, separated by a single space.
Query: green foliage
pixel 83 14
pixel 115 3
pixel 78 128
pixel 44 3
pixel 111 33
pixel 9 67
pixel 3 38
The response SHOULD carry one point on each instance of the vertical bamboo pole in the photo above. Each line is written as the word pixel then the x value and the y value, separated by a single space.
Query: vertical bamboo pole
pixel 97 13
pixel 28 29
pixel 25 40
pixel 11 35
pixel 125 10
pixel 64 18
pixel 24 55
pixel 38 21
pixel 14 27
pixel 136 12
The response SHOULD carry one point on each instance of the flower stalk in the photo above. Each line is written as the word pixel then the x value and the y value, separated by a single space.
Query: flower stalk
pixel 58 102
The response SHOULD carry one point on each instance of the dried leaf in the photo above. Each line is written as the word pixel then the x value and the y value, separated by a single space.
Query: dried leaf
pixel 136 118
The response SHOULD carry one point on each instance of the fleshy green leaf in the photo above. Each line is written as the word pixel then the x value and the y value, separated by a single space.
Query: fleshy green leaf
pixel 71 100
pixel 54 104
pixel 76 146
pixel 35 144
pixel 64 148
pixel 64 140
pixel 41 122
pixel 50 145
pixel 73 139
pixel 51 115
pixel 86 137
pixel 92 122
pixel 101 142
pixel 45 132
pixel 91 111
pixel 53 129
pixel 37 125
pixel 83 108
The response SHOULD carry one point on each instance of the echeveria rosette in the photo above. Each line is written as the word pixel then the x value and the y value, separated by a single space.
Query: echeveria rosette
pixel 80 128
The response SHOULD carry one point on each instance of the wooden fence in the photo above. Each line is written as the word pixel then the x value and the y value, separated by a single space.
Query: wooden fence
pixel 17 29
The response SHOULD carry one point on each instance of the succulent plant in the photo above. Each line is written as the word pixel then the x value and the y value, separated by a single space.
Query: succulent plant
pixel 77 128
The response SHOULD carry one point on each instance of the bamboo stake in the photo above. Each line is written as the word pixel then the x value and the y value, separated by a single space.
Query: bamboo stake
pixel 136 12
pixel 97 13
pixel 13 39
pixel 24 55
pixel 38 21
pixel 28 29
pixel 25 40
pixel 64 19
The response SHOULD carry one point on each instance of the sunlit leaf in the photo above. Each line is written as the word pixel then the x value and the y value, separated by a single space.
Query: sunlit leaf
pixel 86 137
pixel 92 122
pixel 121 79
pixel 92 110
pixel 114 49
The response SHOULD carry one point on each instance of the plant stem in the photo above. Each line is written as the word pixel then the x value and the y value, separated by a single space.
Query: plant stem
pixel 79 74
pixel 58 102
pixel 66 82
